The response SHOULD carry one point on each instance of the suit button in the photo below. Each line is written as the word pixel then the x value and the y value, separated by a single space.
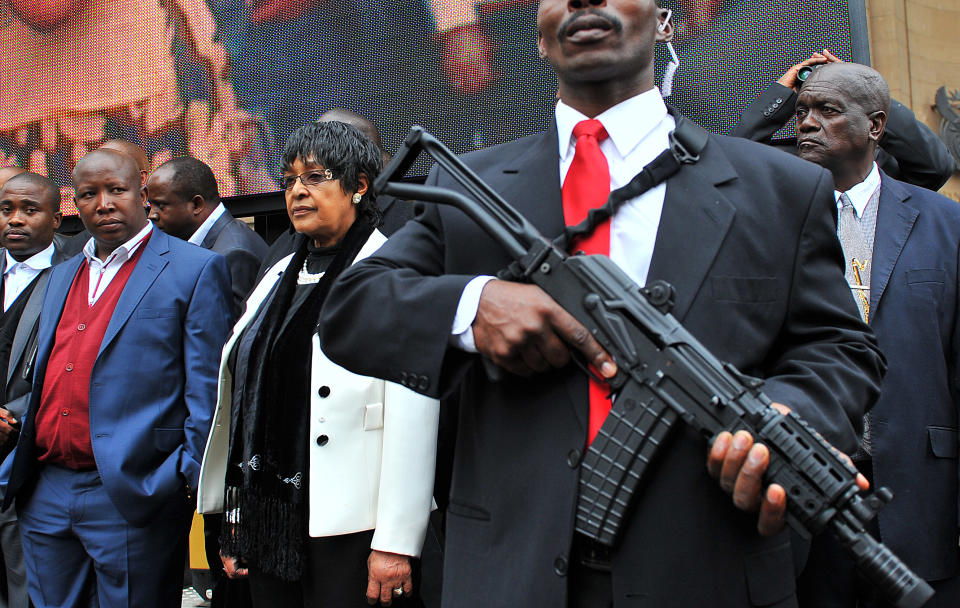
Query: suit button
pixel 424 383
pixel 81 327
pixel 65 412
pixel 766 112
pixel 324 392
pixel 69 367
pixel 573 458
pixel 403 378
pixel 322 440
pixel 779 99
pixel 560 565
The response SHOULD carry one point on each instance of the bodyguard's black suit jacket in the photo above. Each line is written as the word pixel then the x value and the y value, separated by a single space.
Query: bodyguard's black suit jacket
pixel 908 150
pixel 243 248
pixel 748 237
pixel 916 316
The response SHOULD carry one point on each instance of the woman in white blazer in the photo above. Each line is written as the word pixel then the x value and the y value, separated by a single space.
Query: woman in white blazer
pixel 325 478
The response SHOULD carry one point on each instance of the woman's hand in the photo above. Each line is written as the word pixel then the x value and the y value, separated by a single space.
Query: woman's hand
pixel 386 573
pixel 233 567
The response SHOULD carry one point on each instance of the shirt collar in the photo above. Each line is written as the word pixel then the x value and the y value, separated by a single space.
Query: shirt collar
pixel 627 123
pixel 201 233
pixel 122 252
pixel 861 193
pixel 38 261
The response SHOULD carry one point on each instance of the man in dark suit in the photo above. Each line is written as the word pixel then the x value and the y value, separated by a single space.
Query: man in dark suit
pixel 908 150
pixel 124 388
pixel 185 203
pixel 747 237
pixel 29 217
pixel 902 245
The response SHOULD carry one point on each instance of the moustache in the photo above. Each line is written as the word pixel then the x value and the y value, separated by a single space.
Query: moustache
pixel 587 18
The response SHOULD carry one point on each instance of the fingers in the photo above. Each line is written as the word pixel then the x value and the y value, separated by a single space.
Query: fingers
pixel 577 336
pixel 232 568
pixel 522 329
pixel 386 594
pixel 830 57
pixel 373 590
pixel 773 511
pixel 734 459
pixel 717 452
pixel 748 485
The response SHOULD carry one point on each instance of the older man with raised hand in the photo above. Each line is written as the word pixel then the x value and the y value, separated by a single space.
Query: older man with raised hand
pixel 185 203
pixel 124 388
pixel 747 237
pixel 901 247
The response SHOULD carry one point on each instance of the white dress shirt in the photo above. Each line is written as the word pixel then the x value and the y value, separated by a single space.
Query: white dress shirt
pixel 861 194
pixel 638 130
pixel 201 233
pixel 18 275
pixel 102 273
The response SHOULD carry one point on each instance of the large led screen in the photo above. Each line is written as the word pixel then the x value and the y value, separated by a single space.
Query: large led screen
pixel 228 80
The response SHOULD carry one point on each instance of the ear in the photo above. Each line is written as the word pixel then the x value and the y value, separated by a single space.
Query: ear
pixel 199 204
pixel 665 25
pixel 57 218
pixel 542 51
pixel 878 122
pixel 363 183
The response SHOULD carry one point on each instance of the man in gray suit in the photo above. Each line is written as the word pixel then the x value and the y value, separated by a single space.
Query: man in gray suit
pixel 29 217
pixel 185 203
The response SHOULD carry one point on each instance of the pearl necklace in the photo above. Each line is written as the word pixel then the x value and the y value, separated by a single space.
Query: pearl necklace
pixel 306 277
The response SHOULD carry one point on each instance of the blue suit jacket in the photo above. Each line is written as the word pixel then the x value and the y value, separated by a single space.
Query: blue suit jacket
pixel 914 304
pixel 154 385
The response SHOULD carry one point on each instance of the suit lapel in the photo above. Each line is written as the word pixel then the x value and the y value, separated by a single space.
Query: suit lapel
pixel 28 319
pixel 148 267
pixel 895 220
pixel 216 229
pixel 695 219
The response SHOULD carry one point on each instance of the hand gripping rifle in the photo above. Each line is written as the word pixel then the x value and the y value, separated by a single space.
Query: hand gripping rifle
pixel 664 373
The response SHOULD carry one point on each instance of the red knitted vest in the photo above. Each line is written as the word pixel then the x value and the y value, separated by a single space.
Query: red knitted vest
pixel 63 418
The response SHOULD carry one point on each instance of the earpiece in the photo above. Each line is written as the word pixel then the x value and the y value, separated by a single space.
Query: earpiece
pixel 666 20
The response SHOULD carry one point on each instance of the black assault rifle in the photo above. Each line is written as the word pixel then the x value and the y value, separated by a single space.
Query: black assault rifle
pixel 664 374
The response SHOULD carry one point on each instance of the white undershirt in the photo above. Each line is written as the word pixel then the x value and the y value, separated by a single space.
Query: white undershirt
pixel 18 275
pixel 102 273
pixel 201 233
pixel 638 131
pixel 861 194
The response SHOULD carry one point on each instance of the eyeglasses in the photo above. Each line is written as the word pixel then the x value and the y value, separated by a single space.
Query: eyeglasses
pixel 309 178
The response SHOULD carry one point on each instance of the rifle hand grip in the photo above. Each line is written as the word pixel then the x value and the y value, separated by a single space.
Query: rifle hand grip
pixel 881 567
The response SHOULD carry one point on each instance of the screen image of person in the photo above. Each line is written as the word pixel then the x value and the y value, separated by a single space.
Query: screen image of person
pixel 325 478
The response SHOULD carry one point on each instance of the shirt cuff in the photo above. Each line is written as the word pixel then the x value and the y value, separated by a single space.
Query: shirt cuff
pixel 461 334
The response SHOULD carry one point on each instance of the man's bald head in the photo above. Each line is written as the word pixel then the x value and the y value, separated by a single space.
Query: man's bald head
pixel 861 84
pixel 41 188
pixel 7 172
pixel 131 149
pixel 101 158
pixel 352 118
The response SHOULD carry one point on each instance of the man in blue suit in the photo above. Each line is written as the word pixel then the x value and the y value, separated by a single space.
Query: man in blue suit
pixel 124 389
pixel 902 245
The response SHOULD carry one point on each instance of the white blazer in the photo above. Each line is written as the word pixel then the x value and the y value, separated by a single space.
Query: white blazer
pixel 373 445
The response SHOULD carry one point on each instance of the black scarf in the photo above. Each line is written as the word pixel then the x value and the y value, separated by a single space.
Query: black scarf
pixel 266 484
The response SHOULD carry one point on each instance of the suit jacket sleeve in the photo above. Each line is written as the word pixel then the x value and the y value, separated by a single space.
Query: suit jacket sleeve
pixel 911 152
pixel 826 363
pixel 767 114
pixel 407 469
pixel 400 304
pixel 243 265
pixel 206 327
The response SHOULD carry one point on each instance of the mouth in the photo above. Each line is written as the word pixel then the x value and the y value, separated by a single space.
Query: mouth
pixel 109 224
pixel 301 211
pixel 15 236
pixel 588 28
pixel 808 144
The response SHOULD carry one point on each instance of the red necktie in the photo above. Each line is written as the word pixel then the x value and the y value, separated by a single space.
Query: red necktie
pixel 587 186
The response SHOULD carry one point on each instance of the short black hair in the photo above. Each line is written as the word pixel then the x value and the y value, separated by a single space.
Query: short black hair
pixel 48 191
pixel 346 152
pixel 191 177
